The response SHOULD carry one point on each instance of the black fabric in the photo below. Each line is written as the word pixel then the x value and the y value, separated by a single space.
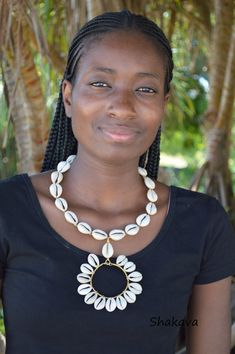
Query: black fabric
pixel 43 312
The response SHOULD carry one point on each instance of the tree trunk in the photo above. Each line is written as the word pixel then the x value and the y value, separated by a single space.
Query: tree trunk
pixel 217 60
pixel 26 102
pixel 218 121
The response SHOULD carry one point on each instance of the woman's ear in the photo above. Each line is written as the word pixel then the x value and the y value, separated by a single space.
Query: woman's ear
pixel 67 97
pixel 166 99
pixel 167 96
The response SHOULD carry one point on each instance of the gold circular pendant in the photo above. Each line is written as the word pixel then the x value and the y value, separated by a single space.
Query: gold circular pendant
pixel 101 301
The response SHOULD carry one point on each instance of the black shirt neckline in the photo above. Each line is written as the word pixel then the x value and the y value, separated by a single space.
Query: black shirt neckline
pixel 166 223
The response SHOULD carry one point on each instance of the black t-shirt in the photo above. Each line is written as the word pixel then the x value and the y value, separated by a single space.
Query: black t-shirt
pixel 43 312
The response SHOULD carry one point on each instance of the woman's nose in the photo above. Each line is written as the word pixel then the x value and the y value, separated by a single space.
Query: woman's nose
pixel 121 105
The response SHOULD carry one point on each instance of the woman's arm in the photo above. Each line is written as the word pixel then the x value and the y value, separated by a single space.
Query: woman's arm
pixel 210 305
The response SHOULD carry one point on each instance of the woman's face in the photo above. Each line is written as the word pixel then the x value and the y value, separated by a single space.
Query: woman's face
pixel 117 101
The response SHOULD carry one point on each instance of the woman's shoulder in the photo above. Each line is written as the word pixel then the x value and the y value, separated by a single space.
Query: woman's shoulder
pixel 185 194
pixel 20 188
pixel 12 183
pixel 199 205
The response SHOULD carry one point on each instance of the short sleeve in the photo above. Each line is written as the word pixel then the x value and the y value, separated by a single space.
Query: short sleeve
pixel 218 260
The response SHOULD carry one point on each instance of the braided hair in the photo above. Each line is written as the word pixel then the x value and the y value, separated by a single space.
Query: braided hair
pixel 61 142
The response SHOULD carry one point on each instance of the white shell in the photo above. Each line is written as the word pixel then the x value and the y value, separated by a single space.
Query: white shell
pixel 99 234
pixel 90 298
pixel 83 278
pixel 132 229
pixel 56 177
pixel 110 304
pixel 152 195
pixel 84 228
pixel 143 220
pixel 107 250
pixel 84 289
pixel 117 234
pixel 71 217
pixel 129 296
pixel 99 303
pixel 86 268
pixel 55 190
pixel 149 182
pixel 93 260
pixel 71 158
pixel 61 204
pixel 135 276
pixel 63 166
pixel 129 267
pixel 151 208
pixel 142 171
pixel 121 302
pixel 136 288
pixel 121 260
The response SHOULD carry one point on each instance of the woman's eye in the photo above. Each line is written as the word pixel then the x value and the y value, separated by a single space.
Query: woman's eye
pixel 99 84
pixel 146 90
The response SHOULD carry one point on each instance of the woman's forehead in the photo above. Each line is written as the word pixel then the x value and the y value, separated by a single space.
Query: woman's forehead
pixel 124 46
pixel 122 38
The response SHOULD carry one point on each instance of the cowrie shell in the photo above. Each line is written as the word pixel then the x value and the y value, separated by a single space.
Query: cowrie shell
pixel 84 228
pixel 56 177
pixel 129 296
pixel 71 217
pixel 149 182
pixel 135 276
pixel 61 204
pixel 121 260
pixel 86 268
pixel 93 260
pixel 143 220
pixel 99 303
pixel 90 298
pixel 83 278
pixel 110 304
pixel 151 208
pixel 63 166
pixel 142 171
pixel 136 288
pixel 55 190
pixel 121 302
pixel 152 195
pixel 99 234
pixel 129 267
pixel 84 289
pixel 132 229
pixel 70 159
pixel 116 234
pixel 107 250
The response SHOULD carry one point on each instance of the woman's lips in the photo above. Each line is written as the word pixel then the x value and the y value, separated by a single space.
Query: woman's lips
pixel 119 133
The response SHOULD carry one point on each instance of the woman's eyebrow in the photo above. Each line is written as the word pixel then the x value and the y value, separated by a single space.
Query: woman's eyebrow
pixel 112 71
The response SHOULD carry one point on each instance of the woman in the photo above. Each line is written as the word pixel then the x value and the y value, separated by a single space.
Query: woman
pixel 131 258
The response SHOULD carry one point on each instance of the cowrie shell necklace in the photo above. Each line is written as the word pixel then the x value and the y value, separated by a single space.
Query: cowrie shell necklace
pixel 88 270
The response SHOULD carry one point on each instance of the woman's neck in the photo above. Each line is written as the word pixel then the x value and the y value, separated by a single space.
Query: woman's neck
pixel 103 186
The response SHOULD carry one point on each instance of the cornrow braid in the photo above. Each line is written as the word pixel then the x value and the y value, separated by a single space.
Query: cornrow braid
pixel 61 142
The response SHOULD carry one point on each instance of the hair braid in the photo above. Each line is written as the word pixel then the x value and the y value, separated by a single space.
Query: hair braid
pixel 61 142
pixel 154 156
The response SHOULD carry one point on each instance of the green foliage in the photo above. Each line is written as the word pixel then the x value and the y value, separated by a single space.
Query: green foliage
pixel 2 328
pixel 182 136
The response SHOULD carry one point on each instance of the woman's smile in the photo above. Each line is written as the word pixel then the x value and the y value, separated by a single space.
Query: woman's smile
pixel 120 134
